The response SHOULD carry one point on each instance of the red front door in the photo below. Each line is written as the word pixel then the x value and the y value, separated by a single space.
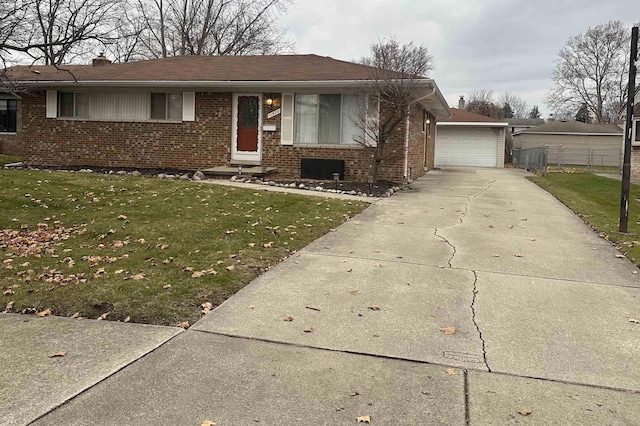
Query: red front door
pixel 248 123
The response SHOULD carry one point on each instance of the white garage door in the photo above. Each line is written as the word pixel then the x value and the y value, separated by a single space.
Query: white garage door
pixel 466 147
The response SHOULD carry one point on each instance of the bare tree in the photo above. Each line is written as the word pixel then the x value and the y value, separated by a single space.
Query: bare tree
pixel 481 95
pixel 592 69
pixel 388 96
pixel 517 104
pixel 208 27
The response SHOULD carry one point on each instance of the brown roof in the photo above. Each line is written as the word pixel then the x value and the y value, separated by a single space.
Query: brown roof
pixel 462 116
pixel 571 126
pixel 204 68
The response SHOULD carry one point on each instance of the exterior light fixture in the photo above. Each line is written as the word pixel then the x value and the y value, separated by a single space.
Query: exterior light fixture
pixel 269 101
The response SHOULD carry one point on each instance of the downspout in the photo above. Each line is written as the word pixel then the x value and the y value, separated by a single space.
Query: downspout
pixel 406 146
pixel 406 134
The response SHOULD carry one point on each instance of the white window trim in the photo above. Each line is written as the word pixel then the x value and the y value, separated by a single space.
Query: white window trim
pixel 188 108
pixel 351 143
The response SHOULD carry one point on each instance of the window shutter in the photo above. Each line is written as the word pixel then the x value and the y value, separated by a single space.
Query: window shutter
pixel 373 121
pixel 189 106
pixel 52 104
pixel 286 117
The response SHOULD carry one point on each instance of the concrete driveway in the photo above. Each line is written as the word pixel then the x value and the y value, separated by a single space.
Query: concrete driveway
pixel 361 323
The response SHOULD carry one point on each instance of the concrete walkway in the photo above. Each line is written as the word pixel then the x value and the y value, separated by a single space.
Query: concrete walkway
pixel 540 306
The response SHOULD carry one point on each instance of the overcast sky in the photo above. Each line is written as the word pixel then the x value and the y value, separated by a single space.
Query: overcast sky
pixel 504 45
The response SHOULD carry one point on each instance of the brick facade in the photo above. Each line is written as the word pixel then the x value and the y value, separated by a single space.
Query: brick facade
pixel 203 143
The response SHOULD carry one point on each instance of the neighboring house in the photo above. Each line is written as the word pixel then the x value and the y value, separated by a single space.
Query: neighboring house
pixel 517 125
pixel 574 142
pixel 635 139
pixel 291 113
pixel 468 139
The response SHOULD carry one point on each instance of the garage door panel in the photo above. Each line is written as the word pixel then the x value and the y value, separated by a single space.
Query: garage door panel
pixel 466 147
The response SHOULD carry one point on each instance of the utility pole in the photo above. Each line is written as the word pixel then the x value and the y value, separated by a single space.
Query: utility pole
pixel 626 165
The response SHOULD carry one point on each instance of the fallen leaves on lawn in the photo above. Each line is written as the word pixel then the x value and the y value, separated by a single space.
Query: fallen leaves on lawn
pixel 103 316
pixel 122 217
pixel 525 411
pixel 197 274
pixel 42 240
pixel 58 354
pixel 162 246
pixel 8 292
pixel 45 313
pixel 364 419
pixel 448 330
pixel 8 307
pixel 138 277
pixel 230 268
pixel 268 245
pixel 127 319
pixel 166 286
pixel 206 307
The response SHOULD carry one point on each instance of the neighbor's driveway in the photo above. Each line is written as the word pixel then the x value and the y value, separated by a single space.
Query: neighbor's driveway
pixel 536 298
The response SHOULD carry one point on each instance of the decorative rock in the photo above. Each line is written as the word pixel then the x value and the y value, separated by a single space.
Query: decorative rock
pixel 258 182
pixel 352 192
pixel 111 172
pixel 199 175
pixel 319 189
pixel 184 177
pixel 136 173
pixel 271 183
pixel 234 178
pixel 292 185
pixel 85 171
pixel 169 177
pixel 265 183
pixel 196 178
pixel 161 175
pixel 121 172
pixel 302 186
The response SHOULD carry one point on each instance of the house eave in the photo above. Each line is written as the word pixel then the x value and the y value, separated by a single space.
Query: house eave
pixel 434 103
pixel 472 123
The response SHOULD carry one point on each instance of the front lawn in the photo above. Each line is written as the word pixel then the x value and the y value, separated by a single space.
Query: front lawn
pixel 142 249
pixel 596 200
pixel 7 159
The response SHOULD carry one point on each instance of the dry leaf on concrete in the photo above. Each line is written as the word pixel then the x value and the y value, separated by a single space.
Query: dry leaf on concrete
pixel 634 320
pixel 525 411
pixel 184 324
pixel 208 423
pixel 374 307
pixel 620 256
pixel 309 330
pixel 448 330
pixel 452 371
pixel 364 419
pixel 288 319
pixel 127 319
pixel 58 354
pixel 45 313
pixel 103 316
pixel 517 255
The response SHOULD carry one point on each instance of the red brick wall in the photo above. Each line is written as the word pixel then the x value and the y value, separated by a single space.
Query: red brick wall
pixel 204 143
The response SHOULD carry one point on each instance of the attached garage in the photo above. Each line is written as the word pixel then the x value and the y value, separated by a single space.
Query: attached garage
pixel 468 139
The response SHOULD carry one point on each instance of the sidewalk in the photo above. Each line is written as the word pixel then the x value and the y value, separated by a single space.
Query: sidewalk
pixel 539 303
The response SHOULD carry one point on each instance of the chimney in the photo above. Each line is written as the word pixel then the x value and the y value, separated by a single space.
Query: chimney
pixel 461 102
pixel 550 118
pixel 101 60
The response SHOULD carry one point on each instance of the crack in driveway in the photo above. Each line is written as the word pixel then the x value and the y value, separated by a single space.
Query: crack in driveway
pixel 444 240
pixel 475 322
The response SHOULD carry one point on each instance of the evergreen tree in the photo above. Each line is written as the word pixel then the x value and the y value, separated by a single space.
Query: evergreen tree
pixel 535 112
pixel 507 110
pixel 583 114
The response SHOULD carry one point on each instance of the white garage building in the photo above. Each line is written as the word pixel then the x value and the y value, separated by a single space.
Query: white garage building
pixel 468 139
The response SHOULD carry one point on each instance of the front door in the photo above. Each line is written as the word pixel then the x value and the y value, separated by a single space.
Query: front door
pixel 246 124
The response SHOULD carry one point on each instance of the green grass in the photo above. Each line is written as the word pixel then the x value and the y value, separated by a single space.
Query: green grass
pixel 6 159
pixel 597 201
pixel 569 168
pixel 93 244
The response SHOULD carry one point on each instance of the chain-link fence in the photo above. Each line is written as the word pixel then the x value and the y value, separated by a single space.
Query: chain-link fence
pixel 560 157
pixel 564 156
pixel 531 159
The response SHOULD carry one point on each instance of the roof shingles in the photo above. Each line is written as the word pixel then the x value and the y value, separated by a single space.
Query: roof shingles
pixel 204 68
